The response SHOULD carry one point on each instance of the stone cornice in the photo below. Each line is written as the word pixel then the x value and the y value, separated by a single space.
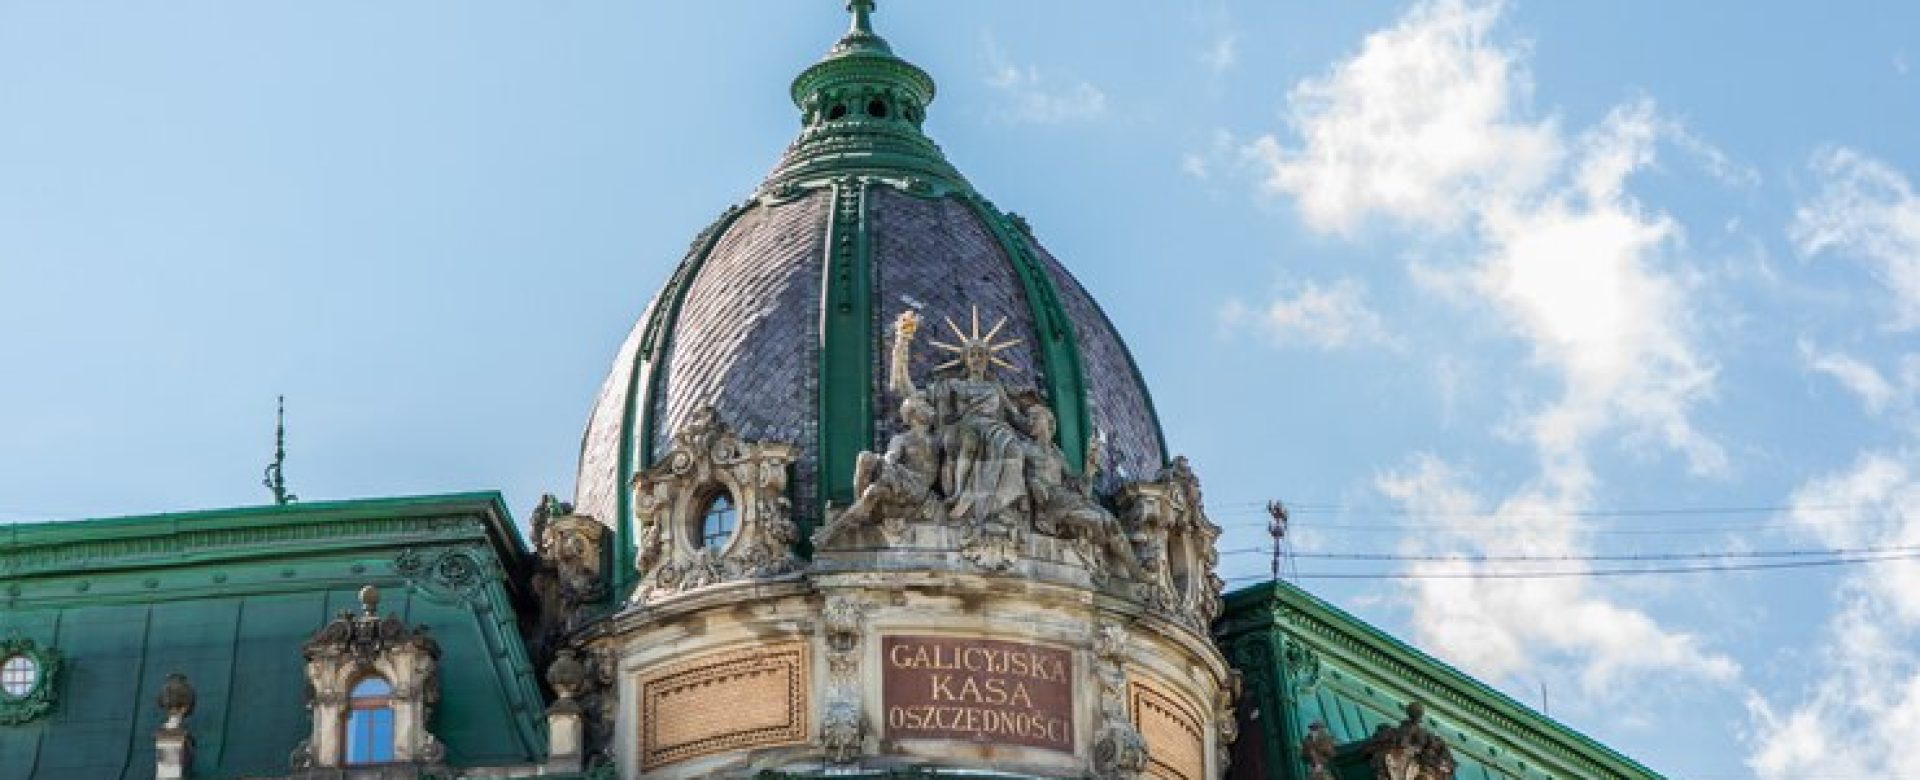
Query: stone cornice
pixel 199 538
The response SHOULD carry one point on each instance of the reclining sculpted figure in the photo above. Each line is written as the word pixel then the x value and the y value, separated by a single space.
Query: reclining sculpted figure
pixel 899 484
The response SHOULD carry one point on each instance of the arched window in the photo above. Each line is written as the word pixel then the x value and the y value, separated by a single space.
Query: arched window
pixel 370 722
pixel 716 524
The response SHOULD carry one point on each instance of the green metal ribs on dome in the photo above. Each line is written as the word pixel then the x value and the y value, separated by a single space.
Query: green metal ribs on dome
pixel 861 110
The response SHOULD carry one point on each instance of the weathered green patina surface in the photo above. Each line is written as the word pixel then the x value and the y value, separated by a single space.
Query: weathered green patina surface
pixel 228 597
pixel 1305 660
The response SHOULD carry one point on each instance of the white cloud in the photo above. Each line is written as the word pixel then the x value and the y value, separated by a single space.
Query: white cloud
pixel 1223 54
pixel 1501 629
pixel 1868 210
pixel 1332 317
pixel 1714 160
pixel 1429 127
pixel 1859 717
pixel 1422 123
pixel 1875 503
pixel 1196 166
pixel 1575 271
pixel 1852 373
pixel 1036 98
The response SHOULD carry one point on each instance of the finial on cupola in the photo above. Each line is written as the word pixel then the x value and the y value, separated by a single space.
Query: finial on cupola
pixel 276 476
pixel 862 15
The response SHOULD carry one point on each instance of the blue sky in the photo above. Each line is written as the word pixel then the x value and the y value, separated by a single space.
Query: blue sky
pixel 1456 278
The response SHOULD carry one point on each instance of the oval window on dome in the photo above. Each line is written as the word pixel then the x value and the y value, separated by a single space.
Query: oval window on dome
pixel 18 675
pixel 717 522
pixel 877 108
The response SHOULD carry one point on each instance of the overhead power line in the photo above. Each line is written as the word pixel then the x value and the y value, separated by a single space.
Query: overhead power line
pixel 1619 572
pixel 1686 556
pixel 1495 521
pixel 1248 508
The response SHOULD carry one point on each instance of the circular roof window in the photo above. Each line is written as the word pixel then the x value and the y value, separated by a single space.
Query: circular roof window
pixel 18 675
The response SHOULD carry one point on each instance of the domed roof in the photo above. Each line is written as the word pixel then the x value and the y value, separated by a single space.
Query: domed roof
pixel 778 316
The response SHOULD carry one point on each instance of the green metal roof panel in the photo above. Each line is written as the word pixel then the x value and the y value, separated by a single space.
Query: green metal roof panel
pixel 1306 660
pixel 229 597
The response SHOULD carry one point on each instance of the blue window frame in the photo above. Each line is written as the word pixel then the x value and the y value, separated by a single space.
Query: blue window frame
pixel 716 527
pixel 370 722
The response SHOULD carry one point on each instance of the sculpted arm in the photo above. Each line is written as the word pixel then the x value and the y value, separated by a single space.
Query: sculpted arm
pixel 898 379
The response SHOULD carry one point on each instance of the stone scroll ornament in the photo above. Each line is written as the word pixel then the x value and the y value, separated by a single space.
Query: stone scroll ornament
pixel 843 725
pixel 1174 542
pixel 981 456
pixel 709 462
pixel 1409 751
pixel 1119 750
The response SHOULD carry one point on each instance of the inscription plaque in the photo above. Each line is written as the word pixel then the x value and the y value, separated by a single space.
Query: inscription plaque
pixel 981 690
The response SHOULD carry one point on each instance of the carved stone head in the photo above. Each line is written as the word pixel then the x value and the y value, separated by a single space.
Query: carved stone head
pixel 916 412
pixel 977 358
pixel 1043 423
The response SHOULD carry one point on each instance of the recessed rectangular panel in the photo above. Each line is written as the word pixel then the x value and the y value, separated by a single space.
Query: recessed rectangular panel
pixel 1174 730
pixel 979 690
pixel 724 702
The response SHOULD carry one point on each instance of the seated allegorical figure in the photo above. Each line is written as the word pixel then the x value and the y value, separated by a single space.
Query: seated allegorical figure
pixel 1060 507
pixel 898 484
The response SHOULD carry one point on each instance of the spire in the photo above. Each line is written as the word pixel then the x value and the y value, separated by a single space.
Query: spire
pixel 276 479
pixel 861 109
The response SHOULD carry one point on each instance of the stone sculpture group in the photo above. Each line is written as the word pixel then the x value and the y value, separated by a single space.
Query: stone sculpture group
pixel 980 456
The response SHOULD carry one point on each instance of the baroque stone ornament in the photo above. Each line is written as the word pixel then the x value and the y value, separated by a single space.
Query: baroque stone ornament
pixel 1174 542
pixel 566 736
pixel 353 648
pixel 172 745
pixel 1227 727
pixel 175 701
pixel 1409 751
pixel 600 702
pixel 843 725
pixel 708 470
pixel 1119 751
pixel 1318 749
pixel 572 551
pixel 37 697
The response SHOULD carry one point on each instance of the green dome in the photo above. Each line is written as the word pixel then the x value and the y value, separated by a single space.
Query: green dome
pixel 778 315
